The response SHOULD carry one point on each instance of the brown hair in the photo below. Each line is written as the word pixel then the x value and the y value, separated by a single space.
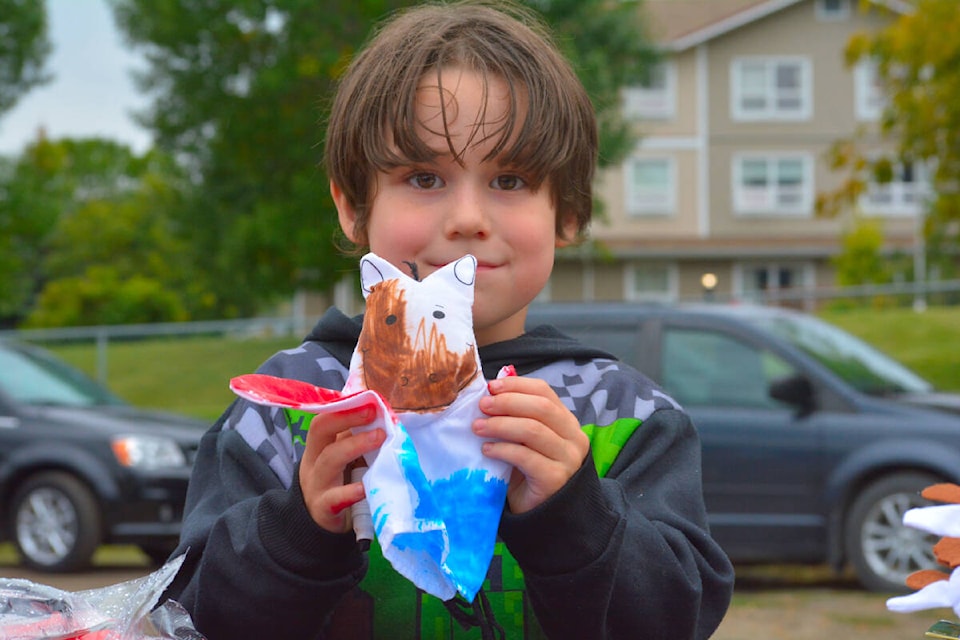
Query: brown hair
pixel 551 128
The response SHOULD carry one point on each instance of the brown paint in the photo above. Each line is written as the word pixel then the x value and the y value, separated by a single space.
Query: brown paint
pixel 420 375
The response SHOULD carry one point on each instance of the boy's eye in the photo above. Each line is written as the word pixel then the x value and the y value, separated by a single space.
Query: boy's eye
pixel 508 182
pixel 425 181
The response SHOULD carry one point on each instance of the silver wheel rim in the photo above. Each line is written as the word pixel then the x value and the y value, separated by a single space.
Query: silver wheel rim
pixel 47 526
pixel 894 551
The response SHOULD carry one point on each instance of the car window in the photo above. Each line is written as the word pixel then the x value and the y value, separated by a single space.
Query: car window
pixel 703 367
pixel 32 379
pixel 853 360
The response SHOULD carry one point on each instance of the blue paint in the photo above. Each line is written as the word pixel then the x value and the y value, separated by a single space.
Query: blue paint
pixel 472 501
pixel 468 503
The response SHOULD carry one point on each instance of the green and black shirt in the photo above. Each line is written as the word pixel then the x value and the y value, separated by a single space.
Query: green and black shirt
pixel 621 551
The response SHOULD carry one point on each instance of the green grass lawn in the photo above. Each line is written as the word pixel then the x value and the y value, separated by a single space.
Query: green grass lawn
pixel 186 375
pixel 190 375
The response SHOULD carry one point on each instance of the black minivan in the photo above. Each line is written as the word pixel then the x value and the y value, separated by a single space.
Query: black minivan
pixel 814 443
pixel 79 467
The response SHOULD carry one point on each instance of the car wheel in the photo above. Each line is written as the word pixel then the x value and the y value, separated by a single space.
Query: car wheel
pixel 55 522
pixel 881 549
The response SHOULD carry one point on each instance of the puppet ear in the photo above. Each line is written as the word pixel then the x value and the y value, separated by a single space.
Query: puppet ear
pixel 465 269
pixel 374 270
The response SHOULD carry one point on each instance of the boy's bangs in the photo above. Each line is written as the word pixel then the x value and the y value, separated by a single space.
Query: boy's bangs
pixel 519 141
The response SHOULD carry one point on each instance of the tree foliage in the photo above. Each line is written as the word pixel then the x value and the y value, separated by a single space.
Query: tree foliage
pixel 918 63
pixel 861 260
pixel 24 48
pixel 89 229
pixel 240 91
pixel 609 46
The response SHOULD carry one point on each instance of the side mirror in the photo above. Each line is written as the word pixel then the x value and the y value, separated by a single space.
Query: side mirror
pixel 795 390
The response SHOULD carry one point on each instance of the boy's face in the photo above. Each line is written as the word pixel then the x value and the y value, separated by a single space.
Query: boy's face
pixel 433 213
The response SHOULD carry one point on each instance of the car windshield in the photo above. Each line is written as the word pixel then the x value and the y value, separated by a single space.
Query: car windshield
pixel 32 377
pixel 859 364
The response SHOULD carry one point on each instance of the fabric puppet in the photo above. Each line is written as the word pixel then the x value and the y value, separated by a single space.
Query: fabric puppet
pixel 435 500
pixel 935 588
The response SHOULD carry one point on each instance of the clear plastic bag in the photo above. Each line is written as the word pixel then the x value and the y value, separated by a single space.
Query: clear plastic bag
pixel 123 611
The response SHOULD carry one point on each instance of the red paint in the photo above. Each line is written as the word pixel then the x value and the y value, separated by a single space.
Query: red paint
pixel 338 508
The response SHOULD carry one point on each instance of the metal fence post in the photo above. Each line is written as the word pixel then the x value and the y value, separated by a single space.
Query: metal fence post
pixel 102 339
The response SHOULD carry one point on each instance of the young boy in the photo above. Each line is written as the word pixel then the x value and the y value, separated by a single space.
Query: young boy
pixel 460 129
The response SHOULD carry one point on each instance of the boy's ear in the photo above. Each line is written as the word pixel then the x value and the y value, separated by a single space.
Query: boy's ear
pixel 345 213
pixel 568 232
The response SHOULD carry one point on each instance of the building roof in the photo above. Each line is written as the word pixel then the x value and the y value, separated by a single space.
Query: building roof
pixel 682 24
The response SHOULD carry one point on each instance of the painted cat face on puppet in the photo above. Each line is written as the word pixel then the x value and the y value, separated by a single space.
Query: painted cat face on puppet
pixel 416 347
pixel 417 350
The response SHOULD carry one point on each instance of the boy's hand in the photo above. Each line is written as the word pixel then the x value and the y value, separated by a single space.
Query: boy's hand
pixel 539 436
pixel 329 449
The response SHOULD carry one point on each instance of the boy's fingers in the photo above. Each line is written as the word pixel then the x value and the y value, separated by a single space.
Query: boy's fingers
pixel 331 510
pixel 326 428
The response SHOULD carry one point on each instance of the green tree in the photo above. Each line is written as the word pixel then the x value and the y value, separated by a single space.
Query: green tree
pixel 32 195
pixel 24 48
pixel 860 260
pixel 240 90
pixel 91 221
pixel 916 59
pixel 609 46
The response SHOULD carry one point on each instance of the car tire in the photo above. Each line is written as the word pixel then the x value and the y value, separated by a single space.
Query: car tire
pixel 882 551
pixel 55 522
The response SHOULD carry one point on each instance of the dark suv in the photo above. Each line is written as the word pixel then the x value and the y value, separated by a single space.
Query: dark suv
pixel 814 444
pixel 79 467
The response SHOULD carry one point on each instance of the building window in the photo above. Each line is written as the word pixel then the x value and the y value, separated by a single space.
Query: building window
pixel 651 186
pixel 651 282
pixel 777 185
pixel 777 282
pixel 868 91
pixel 654 97
pixel 902 196
pixel 832 10
pixel 771 89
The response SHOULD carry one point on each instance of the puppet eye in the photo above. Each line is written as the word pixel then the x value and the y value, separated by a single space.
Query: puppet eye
pixel 391 319
pixel 439 315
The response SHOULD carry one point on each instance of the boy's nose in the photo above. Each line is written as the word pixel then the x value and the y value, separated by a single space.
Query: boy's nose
pixel 467 216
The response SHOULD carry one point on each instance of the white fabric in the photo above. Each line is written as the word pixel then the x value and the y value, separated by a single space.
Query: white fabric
pixel 941 520
pixel 942 593
pixel 435 499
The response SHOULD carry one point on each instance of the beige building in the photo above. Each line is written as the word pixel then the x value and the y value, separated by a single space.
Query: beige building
pixel 735 125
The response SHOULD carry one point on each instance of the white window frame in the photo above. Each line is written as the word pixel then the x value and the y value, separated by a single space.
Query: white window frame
pixel 631 293
pixel 825 14
pixel 769 92
pixel 653 103
pixel 869 98
pixel 905 200
pixel 744 204
pixel 638 204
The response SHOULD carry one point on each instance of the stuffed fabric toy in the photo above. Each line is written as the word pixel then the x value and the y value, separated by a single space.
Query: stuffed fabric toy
pixel 936 588
pixel 435 500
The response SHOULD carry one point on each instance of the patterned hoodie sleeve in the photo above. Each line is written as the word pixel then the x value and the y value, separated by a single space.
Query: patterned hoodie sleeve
pixel 252 548
pixel 623 550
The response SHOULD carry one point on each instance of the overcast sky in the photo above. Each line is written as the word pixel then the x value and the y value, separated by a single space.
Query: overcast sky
pixel 91 93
